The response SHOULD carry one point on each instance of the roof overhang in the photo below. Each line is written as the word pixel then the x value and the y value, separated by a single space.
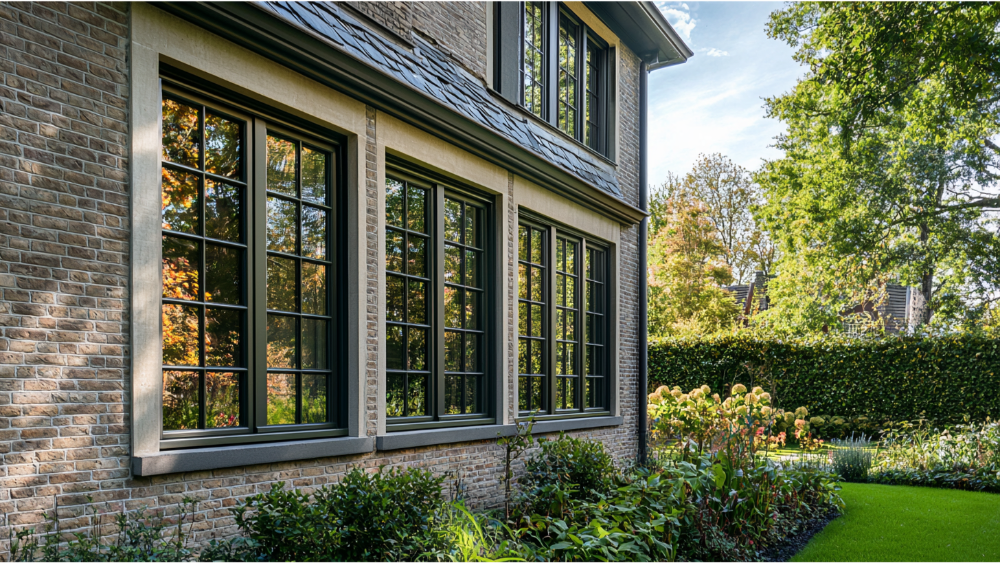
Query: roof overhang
pixel 644 30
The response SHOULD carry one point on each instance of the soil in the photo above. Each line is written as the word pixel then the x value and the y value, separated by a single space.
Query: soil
pixel 787 549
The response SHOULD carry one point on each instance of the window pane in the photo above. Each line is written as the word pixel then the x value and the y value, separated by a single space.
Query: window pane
pixel 181 133
pixel 522 281
pixel 416 395
pixel 313 398
pixel 536 357
pixel 394 354
pixel 472 402
pixel 416 256
pixel 224 275
pixel 523 244
pixel 522 318
pixel 393 251
pixel 281 394
pixel 536 284
pixel 394 202
pixel 181 336
pixel 181 268
pixel 453 220
pixel 223 211
pixel 223 146
pixel 313 288
pixel 523 394
pixel 179 196
pixel 395 398
pixel 395 295
pixel 416 306
pixel 416 199
pixel 452 264
pixel 536 247
pixel 523 356
pixel 453 394
pixel 281 342
pixel 281 166
pixel 536 320
pixel 452 351
pixel 180 400
pixel 280 284
pixel 222 400
pixel 472 221
pixel 313 232
pixel 314 344
pixel 223 342
pixel 472 353
pixel 313 176
pixel 416 354
pixel 473 310
pixel 452 307
pixel 282 225
pixel 472 268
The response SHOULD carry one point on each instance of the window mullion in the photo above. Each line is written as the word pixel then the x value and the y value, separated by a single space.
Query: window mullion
pixel 257 257
pixel 550 335
pixel 437 302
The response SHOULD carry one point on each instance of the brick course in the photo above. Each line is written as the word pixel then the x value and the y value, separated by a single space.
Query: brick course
pixel 64 263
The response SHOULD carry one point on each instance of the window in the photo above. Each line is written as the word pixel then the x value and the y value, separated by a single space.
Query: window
pixel 557 70
pixel 247 233
pixel 562 322
pixel 437 252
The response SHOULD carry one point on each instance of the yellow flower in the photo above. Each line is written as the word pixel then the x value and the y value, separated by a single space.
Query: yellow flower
pixel 789 418
pixel 816 421
pixel 738 389
pixel 765 411
pixel 741 410
pixel 751 398
pixel 706 389
pixel 676 392
pixel 655 398
pixel 765 397
pixel 758 390
pixel 717 398
pixel 801 412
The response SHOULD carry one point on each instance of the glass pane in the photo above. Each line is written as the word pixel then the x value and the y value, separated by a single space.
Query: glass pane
pixel 473 310
pixel 181 268
pixel 394 202
pixel 394 355
pixel 536 357
pixel 523 393
pixel 570 325
pixel 453 394
pixel 313 288
pixel 472 226
pixel 537 392
pixel 281 398
pixel 313 232
pixel 472 353
pixel 452 351
pixel 280 284
pixel 453 220
pixel 282 225
pixel 472 268
pixel 452 307
pixel 522 318
pixel 560 392
pixel 281 343
pixel 536 284
pixel 395 397
pixel 313 398
pixel 394 298
pixel 561 325
pixel 522 281
pixel 180 400
pixel 472 403
pixel 536 247
pixel 416 199
pixel 179 195
pixel 313 176
pixel 314 344
pixel 561 289
pixel 560 359
pixel 223 146
pixel 223 342
pixel 560 254
pixel 416 307
pixel 416 256
pixel 571 359
pixel 452 264
pixel 524 248
pixel 281 166
pixel 223 211
pixel 223 276
pixel 393 251
pixel 571 392
pixel 181 136
pixel 181 336
pixel 222 400
pixel 416 395
pixel 571 257
pixel 571 292
pixel 536 320
pixel 523 356
pixel 416 349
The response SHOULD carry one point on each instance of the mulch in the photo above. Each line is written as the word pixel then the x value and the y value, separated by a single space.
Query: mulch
pixel 787 549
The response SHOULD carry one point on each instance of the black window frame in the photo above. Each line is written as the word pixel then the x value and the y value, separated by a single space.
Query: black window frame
pixel 550 335
pixel 259 119
pixel 439 189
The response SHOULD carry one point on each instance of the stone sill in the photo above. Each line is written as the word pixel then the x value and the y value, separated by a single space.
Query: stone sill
pixel 433 437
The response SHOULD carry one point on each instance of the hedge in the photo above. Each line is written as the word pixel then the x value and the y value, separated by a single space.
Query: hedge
pixel 896 378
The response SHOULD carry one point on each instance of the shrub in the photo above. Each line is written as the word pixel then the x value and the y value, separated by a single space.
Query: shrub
pixel 852 458
pixel 886 379
pixel 566 468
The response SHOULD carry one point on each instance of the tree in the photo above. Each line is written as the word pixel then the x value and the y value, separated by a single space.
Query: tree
pixel 889 172
pixel 686 271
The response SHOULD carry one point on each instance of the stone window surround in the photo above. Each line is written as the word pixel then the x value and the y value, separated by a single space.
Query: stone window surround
pixel 160 38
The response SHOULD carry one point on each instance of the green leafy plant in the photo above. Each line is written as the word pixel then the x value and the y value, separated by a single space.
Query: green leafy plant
pixel 852 458
pixel 567 468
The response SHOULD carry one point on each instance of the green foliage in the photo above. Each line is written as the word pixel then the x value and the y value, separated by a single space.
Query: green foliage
pixel 852 458
pixel 944 379
pixel 382 516
pixel 580 468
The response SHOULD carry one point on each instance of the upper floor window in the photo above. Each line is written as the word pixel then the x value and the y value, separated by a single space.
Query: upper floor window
pixel 437 253
pixel 557 68
pixel 247 320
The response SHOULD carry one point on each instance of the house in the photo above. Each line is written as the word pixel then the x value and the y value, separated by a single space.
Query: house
pixel 245 243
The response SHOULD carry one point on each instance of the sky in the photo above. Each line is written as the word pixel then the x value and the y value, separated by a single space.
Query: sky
pixel 714 101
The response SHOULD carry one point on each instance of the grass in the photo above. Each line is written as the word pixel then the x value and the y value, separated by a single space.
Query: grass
pixel 894 523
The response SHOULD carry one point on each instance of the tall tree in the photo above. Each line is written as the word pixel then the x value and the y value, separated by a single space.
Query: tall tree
pixel 889 169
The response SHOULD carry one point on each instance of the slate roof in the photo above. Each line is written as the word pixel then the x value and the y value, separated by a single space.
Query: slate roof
pixel 431 71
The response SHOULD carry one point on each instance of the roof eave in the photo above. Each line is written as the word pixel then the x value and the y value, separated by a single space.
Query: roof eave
pixel 642 27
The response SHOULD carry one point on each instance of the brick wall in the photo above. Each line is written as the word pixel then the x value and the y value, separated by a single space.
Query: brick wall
pixel 64 203
pixel 458 28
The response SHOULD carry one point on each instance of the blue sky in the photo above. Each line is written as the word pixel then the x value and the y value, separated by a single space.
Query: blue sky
pixel 714 101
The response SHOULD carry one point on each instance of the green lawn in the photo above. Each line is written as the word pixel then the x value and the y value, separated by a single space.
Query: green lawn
pixel 894 523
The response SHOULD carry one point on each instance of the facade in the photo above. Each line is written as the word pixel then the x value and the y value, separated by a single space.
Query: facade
pixel 245 243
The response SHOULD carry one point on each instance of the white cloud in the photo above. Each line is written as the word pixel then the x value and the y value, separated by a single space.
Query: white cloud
pixel 679 16
pixel 713 52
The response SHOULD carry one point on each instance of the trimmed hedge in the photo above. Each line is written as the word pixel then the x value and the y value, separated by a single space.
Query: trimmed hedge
pixel 886 379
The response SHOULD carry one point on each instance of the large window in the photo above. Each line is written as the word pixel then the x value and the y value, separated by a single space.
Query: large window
pixel 562 322
pixel 437 252
pixel 247 229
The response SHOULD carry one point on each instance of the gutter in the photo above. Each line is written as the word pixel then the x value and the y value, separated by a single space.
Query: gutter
pixel 643 386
